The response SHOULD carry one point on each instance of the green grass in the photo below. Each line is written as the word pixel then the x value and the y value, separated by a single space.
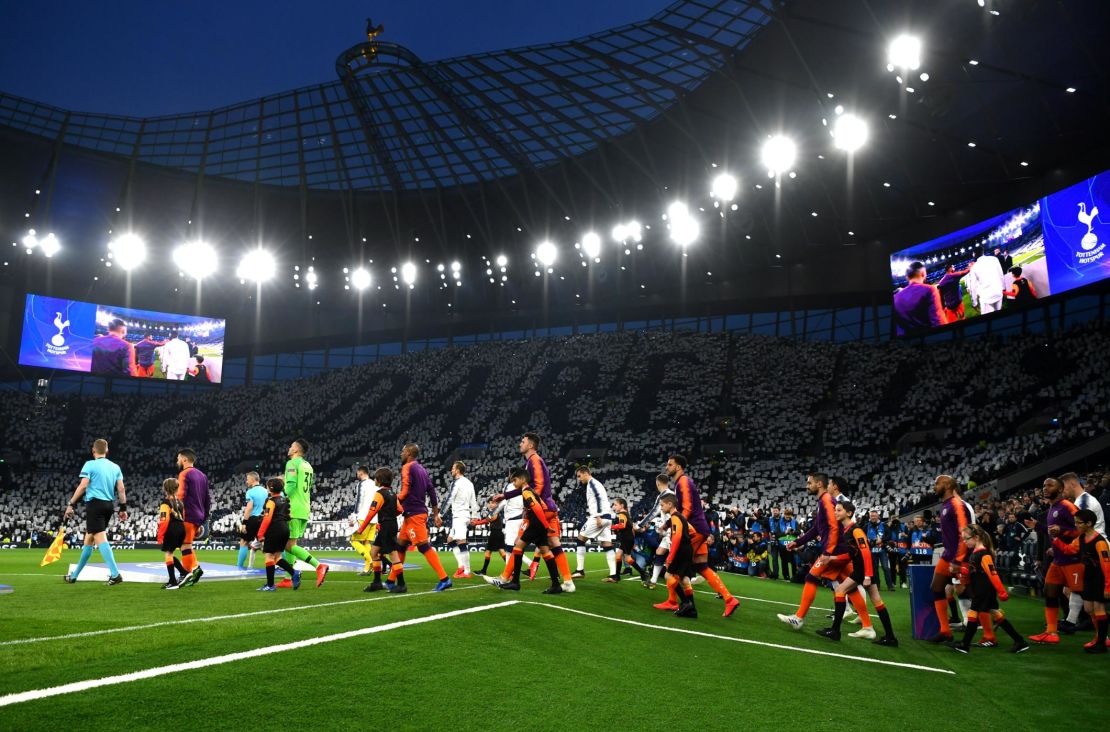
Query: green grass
pixel 523 667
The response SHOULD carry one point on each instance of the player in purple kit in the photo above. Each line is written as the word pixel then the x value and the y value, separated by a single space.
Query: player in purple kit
pixel 193 492
pixel 955 516
pixel 416 488
pixel 1066 569
pixel 827 530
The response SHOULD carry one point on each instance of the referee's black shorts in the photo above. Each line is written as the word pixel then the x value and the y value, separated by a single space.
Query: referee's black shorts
pixel 98 514
pixel 253 524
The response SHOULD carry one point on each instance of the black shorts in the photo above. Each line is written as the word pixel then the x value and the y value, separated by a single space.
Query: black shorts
pixel 626 546
pixel 683 564
pixel 98 514
pixel 1094 585
pixel 386 541
pixel 536 533
pixel 984 602
pixel 174 536
pixel 253 524
pixel 857 572
pixel 277 536
pixel 496 541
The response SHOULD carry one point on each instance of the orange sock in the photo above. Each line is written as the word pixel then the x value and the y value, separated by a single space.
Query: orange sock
pixel 434 563
pixel 860 607
pixel 987 625
pixel 688 591
pixel 376 565
pixel 564 567
pixel 510 564
pixel 1052 618
pixel 188 561
pixel 715 582
pixel 672 589
pixel 398 567
pixel 942 615
pixel 809 594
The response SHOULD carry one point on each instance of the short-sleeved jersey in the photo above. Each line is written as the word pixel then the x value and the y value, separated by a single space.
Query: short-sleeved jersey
pixel 103 475
pixel 256 496
pixel 299 481
pixel 597 500
pixel 954 518
pixel 689 504
pixel 193 491
pixel 416 488
pixel 1062 514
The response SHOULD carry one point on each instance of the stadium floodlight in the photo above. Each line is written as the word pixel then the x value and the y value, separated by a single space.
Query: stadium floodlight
pixel 502 260
pixel 196 258
pixel 50 245
pixel 904 52
pixel 456 267
pixel 546 253
pixel 685 231
pixel 620 233
pixel 724 187
pixel 634 230
pixel 677 210
pixel 360 278
pixel 849 132
pixel 257 266
pixel 408 274
pixel 591 244
pixel 310 278
pixel 127 250
pixel 30 240
pixel 778 155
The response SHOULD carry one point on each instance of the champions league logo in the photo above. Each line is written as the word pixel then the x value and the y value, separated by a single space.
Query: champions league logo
pixel 57 345
pixel 1091 250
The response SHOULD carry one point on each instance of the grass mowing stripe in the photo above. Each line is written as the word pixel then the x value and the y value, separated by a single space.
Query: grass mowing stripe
pixel 863 659
pixel 215 618
pixel 150 673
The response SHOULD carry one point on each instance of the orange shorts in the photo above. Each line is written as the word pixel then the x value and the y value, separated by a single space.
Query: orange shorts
pixel 831 570
pixel 414 529
pixel 144 371
pixel 190 532
pixel 701 547
pixel 946 569
pixel 1070 575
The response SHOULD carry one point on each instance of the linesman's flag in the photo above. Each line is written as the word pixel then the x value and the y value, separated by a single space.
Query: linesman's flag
pixel 54 553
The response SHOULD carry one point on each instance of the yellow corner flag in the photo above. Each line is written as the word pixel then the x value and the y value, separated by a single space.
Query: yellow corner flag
pixel 54 553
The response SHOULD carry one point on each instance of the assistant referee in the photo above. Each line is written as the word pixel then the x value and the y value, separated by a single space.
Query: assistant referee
pixel 100 480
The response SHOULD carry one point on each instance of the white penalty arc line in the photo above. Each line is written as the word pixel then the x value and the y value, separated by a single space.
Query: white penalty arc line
pixel 26 696
pixel 216 618
pixel 702 634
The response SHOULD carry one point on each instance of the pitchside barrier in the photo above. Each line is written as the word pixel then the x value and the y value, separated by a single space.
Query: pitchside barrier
pixel 923 614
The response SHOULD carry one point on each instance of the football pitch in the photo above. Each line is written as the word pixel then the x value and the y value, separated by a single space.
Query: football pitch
pixel 222 656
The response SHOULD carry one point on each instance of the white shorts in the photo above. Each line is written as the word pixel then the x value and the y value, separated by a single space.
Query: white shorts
pixel 665 543
pixel 512 530
pixel 459 526
pixel 591 530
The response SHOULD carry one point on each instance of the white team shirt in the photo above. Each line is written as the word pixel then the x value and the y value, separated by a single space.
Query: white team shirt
pixel 462 501
pixel 366 490
pixel 514 507
pixel 597 501
pixel 661 518
pixel 1086 500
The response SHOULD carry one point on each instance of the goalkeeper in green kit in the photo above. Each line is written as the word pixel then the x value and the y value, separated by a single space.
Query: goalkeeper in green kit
pixel 299 479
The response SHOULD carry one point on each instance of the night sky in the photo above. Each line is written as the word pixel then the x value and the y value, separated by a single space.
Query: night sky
pixel 150 57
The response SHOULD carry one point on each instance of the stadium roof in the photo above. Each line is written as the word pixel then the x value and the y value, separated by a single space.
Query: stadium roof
pixel 395 122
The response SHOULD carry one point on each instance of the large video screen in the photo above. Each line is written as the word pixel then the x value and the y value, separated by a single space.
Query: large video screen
pixel 106 340
pixel 1012 260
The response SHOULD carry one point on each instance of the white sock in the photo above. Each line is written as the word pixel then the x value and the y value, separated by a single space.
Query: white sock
pixel 965 607
pixel 611 560
pixel 1075 604
pixel 458 555
pixel 465 556
pixel 655 572
pixel 581 557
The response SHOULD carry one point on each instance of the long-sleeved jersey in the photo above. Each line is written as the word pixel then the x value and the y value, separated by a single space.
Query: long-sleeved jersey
pixel 275 512
pixel 655 514
pixel 364 496
pixel 535 509
pixel 462 502
pixel 416 488
pixel 825 527
pixel 983 576
pixel 1093 553
pixel 193 492
pixel 539 480
pixel 171 510
pixel 853 545
pixel 384 508
pixel 300 479
pixel 624 527
pixel 689 504
pixel 681 541
pixel 954 517
pixel 597 501
pixel 1089 502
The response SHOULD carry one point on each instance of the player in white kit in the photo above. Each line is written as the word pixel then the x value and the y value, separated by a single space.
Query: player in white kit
pixel 462 504
pixel 514 517
pixel 659 520
pixel 598 524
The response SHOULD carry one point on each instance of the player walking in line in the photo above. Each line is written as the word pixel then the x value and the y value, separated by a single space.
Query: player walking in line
pixel 955 516
pixel 252 517
pixel 690 505
pixel 826 530
pixel 384 508
pixel 1090 549
pixel 363 539
pixel 857 551
pixel 981 576
pixel 1065 570
pixel 680 557
pixel 192 490
pixel 462 504
pixel 514 519
pixel 536 530
pixel 659 521
pixel 1075 491
pixel 496 540
pixel 171 530
pixel 626 541
pixel 273 532
pixel 101 479
pixel 299 481
pixel 599 521
pixel 416 488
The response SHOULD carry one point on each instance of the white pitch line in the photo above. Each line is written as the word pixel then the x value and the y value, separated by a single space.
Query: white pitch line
pixel 215 618
pixel 815 652
pixel 150 673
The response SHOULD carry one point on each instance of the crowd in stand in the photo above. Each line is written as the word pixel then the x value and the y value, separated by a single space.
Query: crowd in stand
pixel 786 405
